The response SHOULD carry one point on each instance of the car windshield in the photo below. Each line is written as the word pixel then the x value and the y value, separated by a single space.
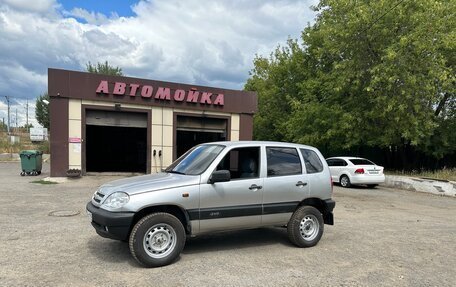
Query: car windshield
pixel 361 161
pixel 196 160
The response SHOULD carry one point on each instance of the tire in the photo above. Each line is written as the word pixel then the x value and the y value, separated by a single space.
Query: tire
pixel 344 181
pixel 22 173
pixel 372 185
pixel 162 227
pixel 305 227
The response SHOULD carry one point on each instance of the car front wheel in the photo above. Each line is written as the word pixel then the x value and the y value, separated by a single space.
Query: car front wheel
pixel 157 239
pixel 306 226
pixel 345 181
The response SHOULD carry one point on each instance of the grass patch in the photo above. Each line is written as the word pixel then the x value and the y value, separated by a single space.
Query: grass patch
pixel 43 182
pixel 24 144
pixel 443 174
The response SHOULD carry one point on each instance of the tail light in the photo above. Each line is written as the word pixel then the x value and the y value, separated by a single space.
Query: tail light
pixel 359 171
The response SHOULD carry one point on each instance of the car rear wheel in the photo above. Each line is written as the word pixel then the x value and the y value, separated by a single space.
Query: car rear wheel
pixel 157 239
pixel 345 181
pixel 306 226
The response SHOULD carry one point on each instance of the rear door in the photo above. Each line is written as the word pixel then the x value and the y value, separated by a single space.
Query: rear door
pixel 340 168
pixel 285 185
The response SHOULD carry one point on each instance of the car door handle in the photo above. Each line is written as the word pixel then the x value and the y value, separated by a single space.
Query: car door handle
pixel 300 183
pixel 255 187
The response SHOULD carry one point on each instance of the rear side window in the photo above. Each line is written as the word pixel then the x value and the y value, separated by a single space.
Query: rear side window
pixel 283 161
pixel 336 162
pixel 311 160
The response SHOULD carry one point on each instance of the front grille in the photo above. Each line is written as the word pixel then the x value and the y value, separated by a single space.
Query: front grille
pixel 97 198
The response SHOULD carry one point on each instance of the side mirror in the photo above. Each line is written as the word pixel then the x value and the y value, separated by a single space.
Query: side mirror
pixel 220 176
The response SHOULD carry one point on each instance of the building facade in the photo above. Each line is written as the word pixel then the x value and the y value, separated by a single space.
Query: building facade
pixel 105 123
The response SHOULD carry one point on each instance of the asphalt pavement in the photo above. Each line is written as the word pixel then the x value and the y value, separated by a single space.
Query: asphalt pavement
pixel 381 237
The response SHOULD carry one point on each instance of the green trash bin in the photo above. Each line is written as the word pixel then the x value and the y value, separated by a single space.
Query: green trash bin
pixel 31 162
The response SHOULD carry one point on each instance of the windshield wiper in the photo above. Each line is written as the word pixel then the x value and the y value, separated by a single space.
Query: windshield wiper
pixel 177 172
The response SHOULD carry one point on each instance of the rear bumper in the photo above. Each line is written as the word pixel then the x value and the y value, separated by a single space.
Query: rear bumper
pixel 114 225
pixel 328 215
pixel 368 179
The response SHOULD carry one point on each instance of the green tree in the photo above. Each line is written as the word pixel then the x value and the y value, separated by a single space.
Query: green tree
pixel 104 68
pixel 42 110
pixel 371 73
pixel 3 126
pixel 277 80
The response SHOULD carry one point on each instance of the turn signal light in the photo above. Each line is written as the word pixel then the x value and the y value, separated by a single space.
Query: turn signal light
pixel 359 171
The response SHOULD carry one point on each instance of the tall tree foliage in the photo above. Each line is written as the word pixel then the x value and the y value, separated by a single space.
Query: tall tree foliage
pixel 42 110
pixel 367 73
pixel 104 68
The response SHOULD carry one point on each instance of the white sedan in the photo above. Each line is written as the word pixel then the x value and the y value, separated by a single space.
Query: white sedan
pixel 355 170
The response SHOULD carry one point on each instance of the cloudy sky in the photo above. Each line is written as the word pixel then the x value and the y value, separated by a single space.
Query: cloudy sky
pixel 200 42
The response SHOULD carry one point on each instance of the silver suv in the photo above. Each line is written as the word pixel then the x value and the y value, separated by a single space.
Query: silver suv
pixel 217 187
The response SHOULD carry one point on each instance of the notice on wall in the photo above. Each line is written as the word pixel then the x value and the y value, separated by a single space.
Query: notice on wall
pixel 77 147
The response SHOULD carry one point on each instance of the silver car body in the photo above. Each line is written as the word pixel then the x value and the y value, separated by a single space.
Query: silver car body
pixel 225 205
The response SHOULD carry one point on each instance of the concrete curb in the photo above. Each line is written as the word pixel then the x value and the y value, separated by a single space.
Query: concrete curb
pixel 438 187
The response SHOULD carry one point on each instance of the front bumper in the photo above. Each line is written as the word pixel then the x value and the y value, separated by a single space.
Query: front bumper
pixel 114 225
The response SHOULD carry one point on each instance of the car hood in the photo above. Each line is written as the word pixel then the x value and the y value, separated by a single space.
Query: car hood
pixel 146 183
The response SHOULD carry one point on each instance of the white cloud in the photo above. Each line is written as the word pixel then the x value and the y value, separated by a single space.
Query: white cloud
pixel 199 42
pixel 39 6
pixel 90 17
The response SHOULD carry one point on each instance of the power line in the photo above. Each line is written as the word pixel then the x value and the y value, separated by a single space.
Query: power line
pixel 27 112
pixel 383 15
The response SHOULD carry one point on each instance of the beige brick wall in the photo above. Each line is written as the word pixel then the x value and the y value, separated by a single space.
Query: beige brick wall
pixel 74 131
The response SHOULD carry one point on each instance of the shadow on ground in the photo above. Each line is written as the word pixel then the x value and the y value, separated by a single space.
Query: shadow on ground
pixel 115 251
pixel 237 240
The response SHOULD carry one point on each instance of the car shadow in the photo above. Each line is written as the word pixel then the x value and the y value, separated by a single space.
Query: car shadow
pixel 241 239
pixel 113 251
pixel 363 187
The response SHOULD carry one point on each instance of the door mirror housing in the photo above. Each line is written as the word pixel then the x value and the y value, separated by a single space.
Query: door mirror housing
pixel 220 176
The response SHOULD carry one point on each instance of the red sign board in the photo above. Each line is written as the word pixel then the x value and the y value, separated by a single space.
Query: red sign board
pixel 161 93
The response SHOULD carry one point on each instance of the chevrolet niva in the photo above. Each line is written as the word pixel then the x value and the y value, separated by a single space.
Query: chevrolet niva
pixel 217 186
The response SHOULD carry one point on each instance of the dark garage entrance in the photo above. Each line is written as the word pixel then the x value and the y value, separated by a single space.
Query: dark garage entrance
pixel 191 131
pixel 116 141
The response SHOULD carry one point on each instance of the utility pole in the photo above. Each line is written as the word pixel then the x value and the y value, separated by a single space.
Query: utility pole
pixel 26 112
pixel 8 102
pixel 16 120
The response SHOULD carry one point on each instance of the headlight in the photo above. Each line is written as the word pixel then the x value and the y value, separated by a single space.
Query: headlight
pixel 116 200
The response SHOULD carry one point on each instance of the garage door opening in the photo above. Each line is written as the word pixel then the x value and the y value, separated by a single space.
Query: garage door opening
pixel 191 131
pixel 116 142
